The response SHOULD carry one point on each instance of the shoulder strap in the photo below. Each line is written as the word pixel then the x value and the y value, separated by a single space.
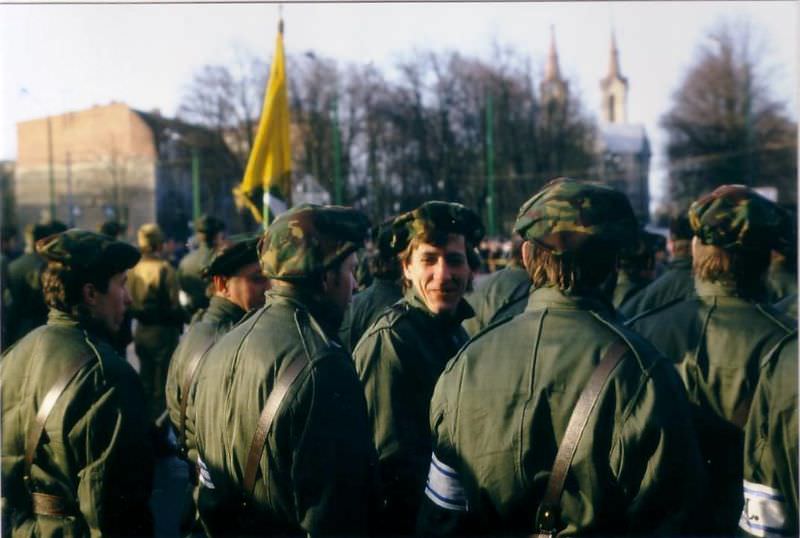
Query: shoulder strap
pixel 188 380
pixel 36 427
pixel 548 516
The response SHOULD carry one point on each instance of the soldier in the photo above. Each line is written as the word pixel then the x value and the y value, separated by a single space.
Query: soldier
pixel 154 292
pixel 281 424
pixel 113 229
pixel 210 233
pixel 677 281
pixel 500 409
pixel 770 456
pixel 718 338
pixel 635 268
pixel 77 457
pixel 401 355
pixel 501 294
pixel 384 291
pixel 24 284
pixel 239 287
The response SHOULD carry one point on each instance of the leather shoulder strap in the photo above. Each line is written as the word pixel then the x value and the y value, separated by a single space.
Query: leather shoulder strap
pixel 271 406
pixel 188 380
pixel 548 516
pixel 36 427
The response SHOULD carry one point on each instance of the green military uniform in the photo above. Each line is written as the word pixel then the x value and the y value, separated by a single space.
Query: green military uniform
pixel 636 265
pixel 718 339
pixel 788 305
pixel 770 456
pixel 675 283
pixel 399 359
pixel 154 295
pixel 190 269
pixel 626 287
pixel 25 290
pixel 94 458
pixel 366 307
pixel 502 294
pixel 316 470
pixel 781 279
pixel 501 407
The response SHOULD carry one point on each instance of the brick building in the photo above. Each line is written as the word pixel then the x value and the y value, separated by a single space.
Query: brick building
pixel 116 162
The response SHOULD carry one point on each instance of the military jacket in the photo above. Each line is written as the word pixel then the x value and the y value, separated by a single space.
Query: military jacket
pixel 675 283
pixel 781 282
pixel 365 309
pixel 95 452
pixel 220 316
pixel 788 305
pixel 153 288
pixel 502 294
pixel 625 288
pixel 770 456
pixel 501 408
pixel 191 281
pixel 316 473
pixel 27 298
pixel 717 341
pixel 398 360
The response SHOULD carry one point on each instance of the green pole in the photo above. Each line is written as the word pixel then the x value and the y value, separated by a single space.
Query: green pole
pixel 490 164
pixel 195 184
pixel 337 153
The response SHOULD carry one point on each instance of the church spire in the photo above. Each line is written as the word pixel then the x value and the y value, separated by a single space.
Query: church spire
pixel 551 70
pixel 614 89
pixel 613 65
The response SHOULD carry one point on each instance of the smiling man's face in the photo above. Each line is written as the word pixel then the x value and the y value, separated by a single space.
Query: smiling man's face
pixel 439 274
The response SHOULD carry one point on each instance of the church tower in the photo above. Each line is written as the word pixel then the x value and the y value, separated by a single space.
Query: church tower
pixel 614 90
pixel 553 87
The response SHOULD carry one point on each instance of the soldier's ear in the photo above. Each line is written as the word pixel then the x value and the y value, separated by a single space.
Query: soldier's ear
pixel 89 293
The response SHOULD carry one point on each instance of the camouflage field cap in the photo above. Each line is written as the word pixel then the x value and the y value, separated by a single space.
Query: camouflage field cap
pixel 88 251
pixel 733 216
pixel 308 239
pixel 435 216
pixel 566 213
pixel 242 250
pixel 206 224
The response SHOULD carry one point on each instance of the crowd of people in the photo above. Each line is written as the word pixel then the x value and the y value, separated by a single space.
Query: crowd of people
pixel 328 377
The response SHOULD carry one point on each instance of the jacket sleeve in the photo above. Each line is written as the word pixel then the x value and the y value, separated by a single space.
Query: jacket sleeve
pixel 656 458
pixel 112 444
pixel 333 460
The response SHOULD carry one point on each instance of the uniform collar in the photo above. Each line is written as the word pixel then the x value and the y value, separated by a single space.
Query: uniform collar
pixel 552 297
pixel 91 326
pixel 323 312
pixel 705 288
pixel 462 312
pixel 223 308
pixel 684 262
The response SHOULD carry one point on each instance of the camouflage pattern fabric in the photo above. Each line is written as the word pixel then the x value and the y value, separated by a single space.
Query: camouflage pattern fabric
pixel 568 212
pixel 81 249
pixel 243 250
pixel 308 239
pixel 733 216
pixel 436 216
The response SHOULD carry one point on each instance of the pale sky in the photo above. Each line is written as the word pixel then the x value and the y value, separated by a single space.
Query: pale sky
pixel 70 57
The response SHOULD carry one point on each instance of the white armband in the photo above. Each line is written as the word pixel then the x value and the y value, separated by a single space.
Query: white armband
pixel 764 512
pixel 444 487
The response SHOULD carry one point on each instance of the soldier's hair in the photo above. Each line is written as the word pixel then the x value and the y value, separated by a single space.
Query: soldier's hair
pixel 584 269
pixel 745 270
pixel 437 238
pixel 63 286
pixel 384 267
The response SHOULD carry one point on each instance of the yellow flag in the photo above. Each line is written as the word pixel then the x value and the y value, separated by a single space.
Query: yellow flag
pixel 270 164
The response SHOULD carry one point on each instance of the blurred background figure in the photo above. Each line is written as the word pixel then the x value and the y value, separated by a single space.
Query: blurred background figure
pixel 113 229
pixel 209 234
pixel 636 267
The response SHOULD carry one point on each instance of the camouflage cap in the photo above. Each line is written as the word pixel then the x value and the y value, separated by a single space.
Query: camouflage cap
pixel 566 213
pixel 435 216
pixel 88 251
pixel 734 216
pixel 240 251
pixel 308 239
pixel 209 225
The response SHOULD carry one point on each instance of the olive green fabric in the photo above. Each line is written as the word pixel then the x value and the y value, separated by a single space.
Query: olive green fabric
pixel 28 309
pixel 192 283
pixel 771 451
pixel 436 217
pixel 566 213
pixel 95 451
pixel 228 260
pixel 398 360
pixel 365 308
pixel 676 282
pixel 733 216
pixel 501 407
pixel 717 341
pixel 153 287
pixel 788 305
pixel 625 288
pixel 308 239
pixel 781 280
pixel 501 294
pixel 210 325
pixel 316 474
